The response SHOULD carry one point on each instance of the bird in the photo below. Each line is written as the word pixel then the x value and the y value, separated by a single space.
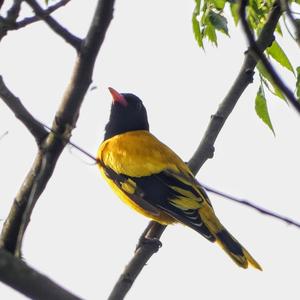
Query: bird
pixel 153 180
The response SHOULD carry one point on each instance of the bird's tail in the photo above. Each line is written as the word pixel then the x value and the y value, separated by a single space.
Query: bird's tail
pixel 235 250
pixel 228 243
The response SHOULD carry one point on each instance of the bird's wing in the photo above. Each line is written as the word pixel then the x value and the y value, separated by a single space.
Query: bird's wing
pixel 128 186
pixel 185 200
pixel 155 178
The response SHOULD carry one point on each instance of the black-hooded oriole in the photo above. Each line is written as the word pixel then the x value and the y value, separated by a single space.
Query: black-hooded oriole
pixel 153 180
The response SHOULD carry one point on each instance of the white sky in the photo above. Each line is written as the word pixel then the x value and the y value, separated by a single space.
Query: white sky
pixel 80 234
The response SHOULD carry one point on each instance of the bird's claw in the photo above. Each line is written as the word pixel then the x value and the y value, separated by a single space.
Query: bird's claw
pixel 154 242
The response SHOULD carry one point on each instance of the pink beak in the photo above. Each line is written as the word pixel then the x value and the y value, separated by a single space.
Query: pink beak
pixel 117 97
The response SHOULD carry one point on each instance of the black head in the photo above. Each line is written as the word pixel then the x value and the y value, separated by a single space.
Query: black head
pixel 127 114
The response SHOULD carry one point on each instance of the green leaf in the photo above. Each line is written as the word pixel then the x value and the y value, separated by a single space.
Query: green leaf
pixel 218 21
pixel 278 29
pixel 219 4
pixel 197 31
pixel 278 54
pixel 234 8
pixel 261 109
pixel 210 32
pixel 196 25
pixel 298 83
pixel 197 7
pixel 263 72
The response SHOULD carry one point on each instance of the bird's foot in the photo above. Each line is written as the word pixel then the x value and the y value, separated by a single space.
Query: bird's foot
pixel 152 242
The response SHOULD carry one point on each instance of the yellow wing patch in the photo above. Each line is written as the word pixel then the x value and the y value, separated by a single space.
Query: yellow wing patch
pixel 129 186
pixel 185 203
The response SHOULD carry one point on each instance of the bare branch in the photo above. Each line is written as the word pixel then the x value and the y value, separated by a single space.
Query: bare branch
pixel 46 12
pixel 30 205
pixel 13 12
pixel 204 151
pixel 10 23
pixel 145 250
pixel 11 17
pixel 264 211
pixel 258 53
pixel 54 25
pixel 18 275
pixel 63 124
pixel 21 113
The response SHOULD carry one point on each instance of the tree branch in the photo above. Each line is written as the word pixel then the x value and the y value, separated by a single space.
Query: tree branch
pixel 21 113
pixel 141 256
pixel 11 17
pixel 258 53
pixel 11 24
pixel 55 26
pixel 46 12
pixel 18 275
pixel 63 124
pixel 203 152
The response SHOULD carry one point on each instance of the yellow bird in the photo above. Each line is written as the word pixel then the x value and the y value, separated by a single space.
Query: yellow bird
pixel 152 179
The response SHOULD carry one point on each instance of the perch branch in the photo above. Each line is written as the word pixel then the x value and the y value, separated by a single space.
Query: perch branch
pixel 258 53
pixel 204 151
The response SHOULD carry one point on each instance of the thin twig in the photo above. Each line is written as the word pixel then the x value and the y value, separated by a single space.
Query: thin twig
pixel 248 203
pixel 287 27
pixel 149 229
pixel 21 113
pixel 80 149
pixel 46 12
pixel 258 53
pixel 55 26
pixel 204 151
pixel 19 276
pixel 285 7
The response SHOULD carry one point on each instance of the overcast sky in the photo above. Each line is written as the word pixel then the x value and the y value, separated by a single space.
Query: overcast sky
pixel 81 235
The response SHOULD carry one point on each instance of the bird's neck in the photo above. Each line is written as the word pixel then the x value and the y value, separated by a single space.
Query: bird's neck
pixel 111 131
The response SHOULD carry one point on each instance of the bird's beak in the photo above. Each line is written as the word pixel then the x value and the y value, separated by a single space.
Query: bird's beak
pixel 117 97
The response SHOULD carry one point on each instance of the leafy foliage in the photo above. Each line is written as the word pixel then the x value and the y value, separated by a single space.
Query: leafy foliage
pixel 209 19
pixel 261 108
